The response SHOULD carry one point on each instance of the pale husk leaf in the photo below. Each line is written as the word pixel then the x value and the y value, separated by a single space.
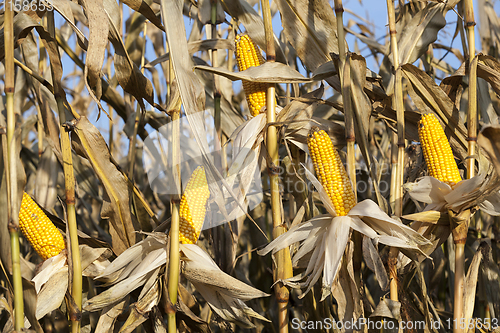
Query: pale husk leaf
pixel 223 292
pixel 296 234
pixel 126 286
pixel 345 291
pixel 428 190
pixel 200 268
pixel 49 268
pixel 339 229
pixel 321 190
pixel 131 259
pixel 52 293
pixel 383 224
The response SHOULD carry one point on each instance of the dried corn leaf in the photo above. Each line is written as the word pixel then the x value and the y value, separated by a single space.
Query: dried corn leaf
pixel 274 72
pixel 98 41
pixel 64 8
pixel 471 281
pixel 490 278
pixel 388 308
pixel 488 68
pixel 310 26
pixel 5 255
pixel 209 44
pixel 144 8
pixel 30 305
pixel 205 12
pixel 108 317
pixel 89 142
pixel 139 311
pixel 373 261
pixel 128 75
pixel 422 30
pixel 489 140
pixel 128 261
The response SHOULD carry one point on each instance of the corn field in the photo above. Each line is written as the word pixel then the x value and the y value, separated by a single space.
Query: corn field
pixel 249 166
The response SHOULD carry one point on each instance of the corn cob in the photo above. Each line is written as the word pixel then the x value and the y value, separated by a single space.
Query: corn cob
pixel 437 151
pixel 193 207
pixel 42 234
pixel 330 171
pixel 248 55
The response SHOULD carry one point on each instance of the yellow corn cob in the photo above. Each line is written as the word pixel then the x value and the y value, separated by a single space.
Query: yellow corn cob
pixel 330 171
pixel 437 150
pixel 42 234
pixel 193 207
pixel 248 55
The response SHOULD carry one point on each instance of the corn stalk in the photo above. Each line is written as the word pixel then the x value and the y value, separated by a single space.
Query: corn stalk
pixel 460 226
pixel 397 101
pixel 174 259
pixel 283 269
pixel 69 181
pixel 11 169
pixel 346 95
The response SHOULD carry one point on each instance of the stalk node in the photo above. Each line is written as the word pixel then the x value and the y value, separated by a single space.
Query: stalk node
pixel 271 58
pixel 13 227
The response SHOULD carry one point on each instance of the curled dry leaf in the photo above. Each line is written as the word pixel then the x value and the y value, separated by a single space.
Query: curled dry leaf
pixel 89 142
pixel 273 72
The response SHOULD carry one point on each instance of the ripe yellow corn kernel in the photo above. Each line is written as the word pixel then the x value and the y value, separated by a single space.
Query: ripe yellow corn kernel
pixel 42 234
pixel 437 150
pixel 330 171
pixel 248 55
pixel 193 207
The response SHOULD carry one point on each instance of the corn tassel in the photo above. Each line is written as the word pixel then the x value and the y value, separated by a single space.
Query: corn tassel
pixel 42 234
pixel 248 55
pixel 330 171
pixel 437 151
pixel 193 207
